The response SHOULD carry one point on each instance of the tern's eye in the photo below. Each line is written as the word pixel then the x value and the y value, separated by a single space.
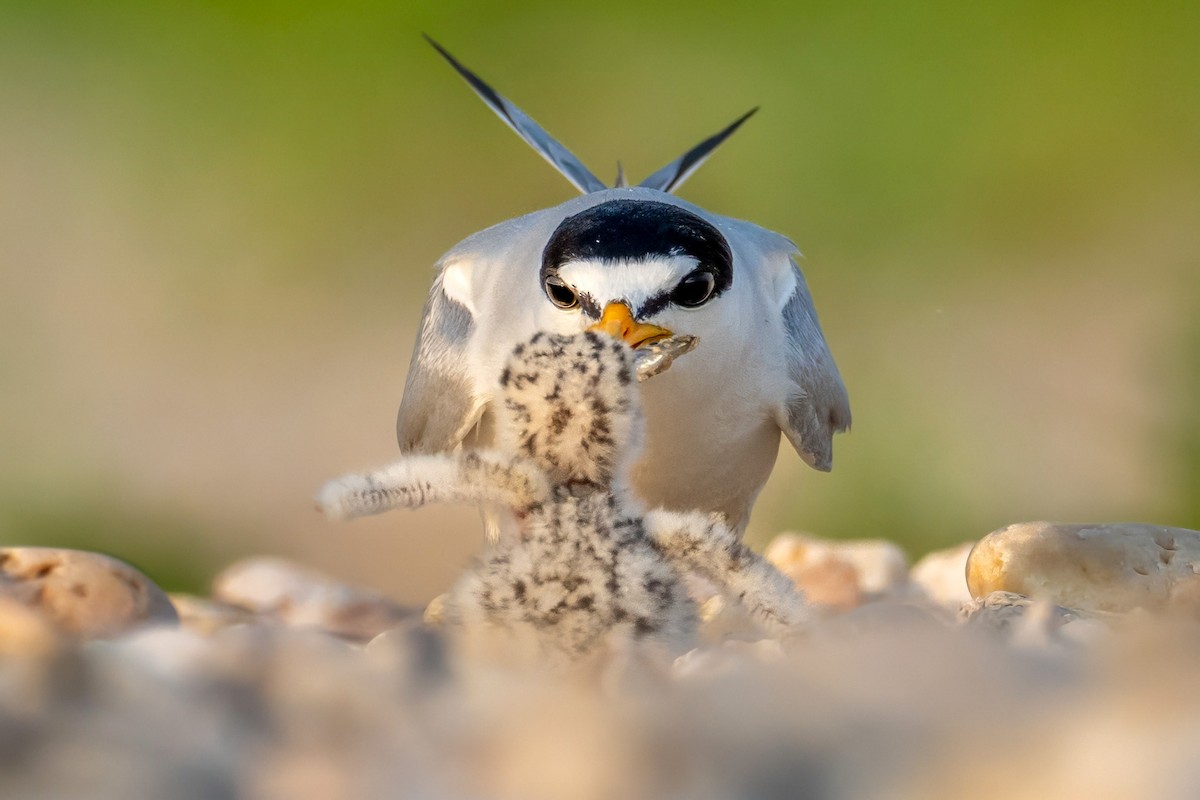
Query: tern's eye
pixel 694 290
pixel 560 293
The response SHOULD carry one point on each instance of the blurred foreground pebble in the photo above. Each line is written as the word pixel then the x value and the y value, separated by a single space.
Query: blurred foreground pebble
pixel 903 688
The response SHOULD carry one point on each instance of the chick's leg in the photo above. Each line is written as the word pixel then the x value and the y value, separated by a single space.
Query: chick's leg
pixel 706 545
pixel 473 477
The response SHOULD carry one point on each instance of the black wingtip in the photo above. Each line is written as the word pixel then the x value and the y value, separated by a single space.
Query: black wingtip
pixel 737 123
pixel 533 134
pixel 670 177
pixel 705 148
pixel 445 54
pixel 488 94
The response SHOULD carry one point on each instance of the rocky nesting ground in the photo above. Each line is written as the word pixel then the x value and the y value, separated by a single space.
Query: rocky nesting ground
pixel 1043 661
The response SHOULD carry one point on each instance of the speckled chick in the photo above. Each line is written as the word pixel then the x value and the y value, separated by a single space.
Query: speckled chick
pixel 588 562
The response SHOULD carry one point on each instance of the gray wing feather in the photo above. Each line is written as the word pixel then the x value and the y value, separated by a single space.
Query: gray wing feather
pixel 822 407
pixel 672 176
pixel 546 145
pixel 439 405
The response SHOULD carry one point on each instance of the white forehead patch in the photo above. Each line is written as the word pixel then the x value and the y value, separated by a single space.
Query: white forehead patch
pixel 632 281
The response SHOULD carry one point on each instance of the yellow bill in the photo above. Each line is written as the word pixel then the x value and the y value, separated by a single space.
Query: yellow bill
pixel 617 321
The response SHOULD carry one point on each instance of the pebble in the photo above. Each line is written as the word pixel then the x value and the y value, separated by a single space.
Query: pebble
pixel 1116 567
pixel 204 616
pixel 723 620
pixel 172 654
pixel 301 597
pixel 1032 623
pixel 942 575
pixel 898 618
pixel 726 658
pixel 839 574
pixel 1003 611
pixel 413 651
pixel 435 612
pixel 83 594
pixel 25 632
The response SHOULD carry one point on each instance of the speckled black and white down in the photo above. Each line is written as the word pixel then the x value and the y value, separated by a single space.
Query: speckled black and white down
pixel 589 563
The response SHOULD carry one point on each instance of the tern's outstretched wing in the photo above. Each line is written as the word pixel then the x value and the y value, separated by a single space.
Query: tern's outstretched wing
pixel 549 148
pixel 440 405
pixel 823 408
pixel 672 176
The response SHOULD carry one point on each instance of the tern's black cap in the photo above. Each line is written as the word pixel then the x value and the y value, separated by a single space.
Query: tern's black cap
pixel 630 230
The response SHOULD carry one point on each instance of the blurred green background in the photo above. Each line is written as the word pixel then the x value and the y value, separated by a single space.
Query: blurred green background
pixel 217 221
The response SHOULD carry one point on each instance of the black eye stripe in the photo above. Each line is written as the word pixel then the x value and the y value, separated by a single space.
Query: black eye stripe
pixel 654 305
pixel 589 305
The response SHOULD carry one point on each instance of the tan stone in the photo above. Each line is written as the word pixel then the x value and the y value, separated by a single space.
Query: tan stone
pixel 942 575
pixel 24 631
pixel 1115 567
pixel 302 597
pixel 411 653
pixel 83 594
pixel 1032 623
pixel 1002 611
pixel 839 574
pixel 830 582
pixel 205 616
pixel 722 620
pixel 435 612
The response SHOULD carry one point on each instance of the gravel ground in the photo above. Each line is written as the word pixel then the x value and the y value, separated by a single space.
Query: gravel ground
pixel 285 684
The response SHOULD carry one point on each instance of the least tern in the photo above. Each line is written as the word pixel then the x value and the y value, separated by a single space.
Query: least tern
pixel 641 264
